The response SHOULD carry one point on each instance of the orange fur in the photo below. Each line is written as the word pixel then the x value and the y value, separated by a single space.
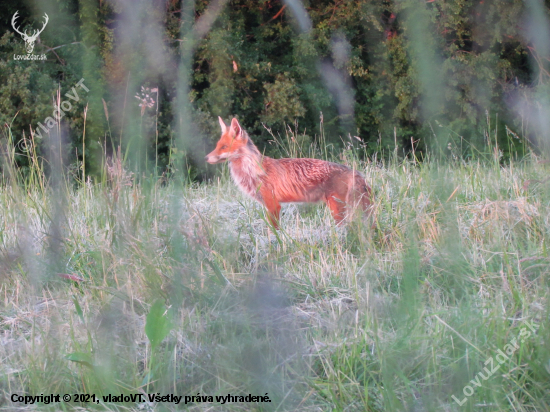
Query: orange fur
pixel 275 181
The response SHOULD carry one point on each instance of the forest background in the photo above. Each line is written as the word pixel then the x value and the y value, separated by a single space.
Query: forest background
pixel 422 77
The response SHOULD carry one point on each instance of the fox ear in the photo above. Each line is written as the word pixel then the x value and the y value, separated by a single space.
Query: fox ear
pixel 236 128
pixel 222 124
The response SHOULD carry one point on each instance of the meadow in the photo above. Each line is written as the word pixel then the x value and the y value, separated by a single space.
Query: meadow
pixel 133 277
pixel 135 285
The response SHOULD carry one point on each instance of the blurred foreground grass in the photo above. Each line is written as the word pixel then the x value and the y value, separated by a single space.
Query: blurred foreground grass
pixel 152 287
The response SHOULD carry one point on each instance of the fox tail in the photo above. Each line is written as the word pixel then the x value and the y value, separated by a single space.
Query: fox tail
pixel 359 194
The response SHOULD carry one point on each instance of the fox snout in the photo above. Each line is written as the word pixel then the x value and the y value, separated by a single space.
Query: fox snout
pixel 213 159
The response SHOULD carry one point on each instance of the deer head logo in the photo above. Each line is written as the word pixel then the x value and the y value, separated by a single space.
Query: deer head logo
pixel 29 39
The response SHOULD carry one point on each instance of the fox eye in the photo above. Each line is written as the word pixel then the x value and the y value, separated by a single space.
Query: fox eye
pixel 223 147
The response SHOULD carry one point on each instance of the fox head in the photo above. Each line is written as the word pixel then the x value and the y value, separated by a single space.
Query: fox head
pixel 232 139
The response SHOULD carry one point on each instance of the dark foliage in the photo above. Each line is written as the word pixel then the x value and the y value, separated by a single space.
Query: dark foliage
pixel 438 74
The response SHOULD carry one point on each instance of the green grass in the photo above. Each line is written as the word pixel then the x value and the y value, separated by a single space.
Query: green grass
pixel 185 291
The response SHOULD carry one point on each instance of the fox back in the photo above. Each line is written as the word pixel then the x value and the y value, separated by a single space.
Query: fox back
pixel 271 181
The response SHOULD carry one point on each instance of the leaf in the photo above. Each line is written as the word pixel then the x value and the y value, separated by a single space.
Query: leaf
pixel 78 309
pixel 219 275
pixel 81 357
pixel 147 379
pixel 158 323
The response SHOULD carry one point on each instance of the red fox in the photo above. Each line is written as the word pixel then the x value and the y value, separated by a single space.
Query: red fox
pixel 275 181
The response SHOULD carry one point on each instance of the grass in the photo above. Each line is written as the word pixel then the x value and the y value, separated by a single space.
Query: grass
pixel 127 286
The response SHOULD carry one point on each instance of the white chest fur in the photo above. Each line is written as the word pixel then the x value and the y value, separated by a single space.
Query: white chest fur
pixel 246 172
